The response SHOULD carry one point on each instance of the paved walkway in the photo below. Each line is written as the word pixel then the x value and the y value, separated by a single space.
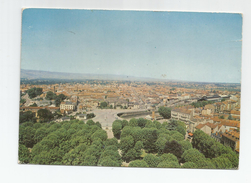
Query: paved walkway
pixel 107 116
pixel 109 132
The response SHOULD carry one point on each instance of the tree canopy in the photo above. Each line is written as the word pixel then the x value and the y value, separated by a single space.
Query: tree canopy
pixel 138 163
pixel 34 92
pixel 142 143
pixel 165 112
pixel 27 117
pixel 44 115
pixel 67 143
pixel 103 105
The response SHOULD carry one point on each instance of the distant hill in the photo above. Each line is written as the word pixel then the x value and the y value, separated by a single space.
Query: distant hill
pixel 35 74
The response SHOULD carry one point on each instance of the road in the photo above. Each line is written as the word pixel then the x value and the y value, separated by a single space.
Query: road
pixel 26 97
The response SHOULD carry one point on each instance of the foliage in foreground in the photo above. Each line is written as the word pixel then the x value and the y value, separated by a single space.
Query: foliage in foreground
pixel 77 143
pixel 67 143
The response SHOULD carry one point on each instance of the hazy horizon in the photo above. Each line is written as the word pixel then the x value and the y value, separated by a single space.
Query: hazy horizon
pixel 135 78
pixel 198 47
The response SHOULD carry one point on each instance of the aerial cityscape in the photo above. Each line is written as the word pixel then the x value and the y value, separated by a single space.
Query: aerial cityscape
pixel 130 89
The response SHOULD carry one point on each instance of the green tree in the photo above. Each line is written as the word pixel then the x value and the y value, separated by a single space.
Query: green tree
pixel 111 142
pixel 168 158
pixel 98 124
pixel 205 163
pixel 62 97
pixel 89 116
pixel 137 134
pixel 133 122
pixel 164 125
pixel 222 163
pixel 150 136
pixel 37 125
pixel 221 117
pixel 109 162
pixel 93 150
pixel 165 112
pixel 50 95
pixel 151 160
pixel 43 158
pixel 57 101
pixel 33 105
pixel 89 161
pixel 129 155
pixel 114 155
pixel 160 144
pixel 138 163
pixel 157 124
pixel 186 145
pixel 111 147
pixel 173 147
pixel 59 98
pixel 181 130
pixel 26 136
pixel 208 146
pixel 141 122
pixel 233 157
pixel 116 128
pixel 138 149
pixel 126 131
pixel 172 125
pixel 150 124
pixel 44 115
pixel 40 134
pixel 230 117
pixel 26 117
pixel 124 123
pixel 90 122
pixel 103 105
pixel 75 156
pixel 168 164
pixel 126 143
pixel 177 136
pixel 34 92
pixel 23 154
pixel 101 134
pixel 189 165
pixel 192 155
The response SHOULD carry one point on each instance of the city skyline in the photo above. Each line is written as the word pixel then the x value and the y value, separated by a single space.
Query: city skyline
pixel 201 47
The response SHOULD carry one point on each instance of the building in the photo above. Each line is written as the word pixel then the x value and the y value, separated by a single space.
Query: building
pixel 235 114
pixel 63 119
pixel 81 117
pixel 210 128
pixel 182 114
pixel 211 98
pixel 67 106
pixel 231 138
pixel 205 128
pixel 210 107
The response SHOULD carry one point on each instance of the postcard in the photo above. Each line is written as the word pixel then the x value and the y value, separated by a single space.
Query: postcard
pixel 119 88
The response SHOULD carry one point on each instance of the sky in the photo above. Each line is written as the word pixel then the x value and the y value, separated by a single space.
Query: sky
pixel 202 47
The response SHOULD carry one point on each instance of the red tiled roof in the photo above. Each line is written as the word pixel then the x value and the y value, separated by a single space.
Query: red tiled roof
pixel 200 126
pixel 211 125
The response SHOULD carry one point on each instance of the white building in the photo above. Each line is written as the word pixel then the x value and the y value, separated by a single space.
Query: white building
pixel 67 106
